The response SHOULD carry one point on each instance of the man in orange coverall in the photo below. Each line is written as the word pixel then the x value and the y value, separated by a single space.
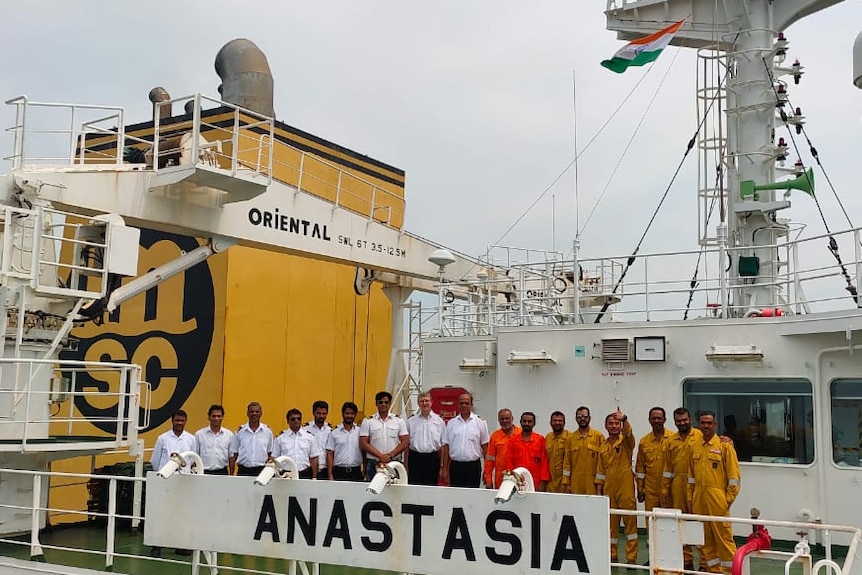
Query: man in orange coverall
pixel 713 484
pixel 495 458
pixel 527 450
pixel 614 478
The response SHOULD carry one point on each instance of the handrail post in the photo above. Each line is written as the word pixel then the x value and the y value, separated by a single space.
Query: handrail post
pixel 23 155
pixel 196 130
pixel 121 136
pixel 234 157
pixel 301 167
pixel 72 137
pixel 112 522
pixel 121 406
pixel 156 126
pixel 35 520
pixel 646 285
pixel 138 486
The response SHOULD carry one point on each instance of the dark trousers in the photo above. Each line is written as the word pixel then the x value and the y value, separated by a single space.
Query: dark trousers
pixel 222 471
pixel 423 468
pixel 348 473
pixel 465 473
pixel 244 471
pixel 305 473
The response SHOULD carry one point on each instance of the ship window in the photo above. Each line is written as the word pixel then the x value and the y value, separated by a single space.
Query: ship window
pixel 846 395
pixel 769 420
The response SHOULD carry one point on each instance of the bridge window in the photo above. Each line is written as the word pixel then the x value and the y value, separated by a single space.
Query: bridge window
pixel 846 396
pixel 770 420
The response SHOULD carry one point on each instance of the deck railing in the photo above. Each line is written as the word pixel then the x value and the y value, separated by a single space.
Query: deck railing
pixel 76 136
pixel 101 547
pixel 673 285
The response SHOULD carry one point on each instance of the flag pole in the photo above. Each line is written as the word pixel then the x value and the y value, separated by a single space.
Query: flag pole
pixel 576 242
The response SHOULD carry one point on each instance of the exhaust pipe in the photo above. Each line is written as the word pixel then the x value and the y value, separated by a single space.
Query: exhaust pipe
pixel 245 76
pixel 159 94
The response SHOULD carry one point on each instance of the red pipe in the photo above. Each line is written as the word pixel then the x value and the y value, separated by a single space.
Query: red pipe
pixel 758 540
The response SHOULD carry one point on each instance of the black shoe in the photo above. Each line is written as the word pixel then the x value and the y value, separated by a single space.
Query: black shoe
pixel 183 551
pixel 155 551
pixel 688 566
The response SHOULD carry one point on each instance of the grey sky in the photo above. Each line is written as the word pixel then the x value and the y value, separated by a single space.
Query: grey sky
pixel 473 99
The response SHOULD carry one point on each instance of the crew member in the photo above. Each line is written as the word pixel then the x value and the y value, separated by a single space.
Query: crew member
pixel 383 436
pixel 320 429
pixel 614 478
pixel 427 432
pixel 343 456
pixel 674 482
pixel 467 437
pixel 299 445
pixel 555 446
pixel 713 484
pixel 582 450
pixel 649 464
pixel 527 449
pixel 213 443
pixel 176 440
pixel 251 445
pixel 495 458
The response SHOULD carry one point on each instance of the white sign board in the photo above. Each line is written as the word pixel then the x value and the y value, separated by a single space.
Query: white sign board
pixel 414 529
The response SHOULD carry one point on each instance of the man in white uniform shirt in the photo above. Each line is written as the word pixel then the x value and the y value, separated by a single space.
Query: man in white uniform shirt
pixel 251 445
pixel 383 436
pixel 299 445
pixel 427 432
pixel 176 440
pixel 343 456
pixel 213 443
pixel 320 429
pixel 467 437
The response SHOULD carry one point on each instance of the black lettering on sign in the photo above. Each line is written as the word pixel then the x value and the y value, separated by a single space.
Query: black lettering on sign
pixel 296 516
pixel 417 511
pixel 376 526
pixel 458 536
pixel 338 526
pixel 535 540
pixel 569 546
pixel 266 521
pixel 515 549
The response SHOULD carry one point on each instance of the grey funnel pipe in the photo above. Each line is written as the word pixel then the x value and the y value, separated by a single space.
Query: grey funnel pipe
pixel 245 77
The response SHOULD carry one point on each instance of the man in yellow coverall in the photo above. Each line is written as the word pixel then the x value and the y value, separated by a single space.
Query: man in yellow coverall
pixel 582 456
pixel 614 478
pixel 555 445
pixel 649 464
pixel 674 483
pixel 713 484
pixel 495 458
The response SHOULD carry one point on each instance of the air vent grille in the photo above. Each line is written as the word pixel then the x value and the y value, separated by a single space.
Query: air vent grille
pixel 616 350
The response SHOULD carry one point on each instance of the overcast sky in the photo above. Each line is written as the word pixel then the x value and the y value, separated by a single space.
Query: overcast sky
pixel 472 98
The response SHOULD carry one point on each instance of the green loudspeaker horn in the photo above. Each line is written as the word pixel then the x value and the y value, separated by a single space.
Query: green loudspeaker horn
pixel 804 182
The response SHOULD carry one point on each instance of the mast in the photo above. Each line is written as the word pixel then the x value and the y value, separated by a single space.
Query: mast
pixel 747 33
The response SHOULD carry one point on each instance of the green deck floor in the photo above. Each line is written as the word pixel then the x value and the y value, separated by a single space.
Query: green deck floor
pixel 128 542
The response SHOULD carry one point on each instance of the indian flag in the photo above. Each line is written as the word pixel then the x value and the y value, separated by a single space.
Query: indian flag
pixel 641 51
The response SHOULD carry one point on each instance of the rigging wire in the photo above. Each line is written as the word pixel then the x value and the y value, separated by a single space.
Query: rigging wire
pixel 631 259
pixel 574 160
pixel 630 141
pixel 833 243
